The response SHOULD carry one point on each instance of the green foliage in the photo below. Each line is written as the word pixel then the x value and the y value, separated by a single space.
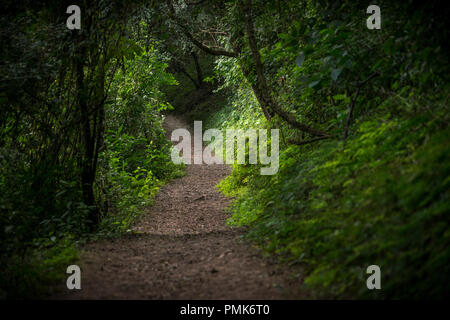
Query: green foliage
pixel 82 147
pixel 380 199
pixel 382 195
pixel 136 160
pixel 128 186
pixel 241 109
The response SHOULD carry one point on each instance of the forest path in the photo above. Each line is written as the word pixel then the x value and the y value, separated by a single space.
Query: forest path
pixel 183 249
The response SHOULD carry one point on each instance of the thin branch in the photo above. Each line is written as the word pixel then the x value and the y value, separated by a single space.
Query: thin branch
pixel 216 32
pixel 197 43
pixel 353 101
pixel 191 3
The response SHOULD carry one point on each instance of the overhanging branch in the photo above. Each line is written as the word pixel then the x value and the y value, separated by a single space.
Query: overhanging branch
pixel 196 42
pixel 200 45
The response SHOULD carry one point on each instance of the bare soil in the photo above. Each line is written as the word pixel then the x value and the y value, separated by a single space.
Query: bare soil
pixel 182 249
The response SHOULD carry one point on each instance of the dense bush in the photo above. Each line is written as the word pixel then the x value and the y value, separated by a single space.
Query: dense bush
pixel 379 196
pixel 136 159
pixel 82 147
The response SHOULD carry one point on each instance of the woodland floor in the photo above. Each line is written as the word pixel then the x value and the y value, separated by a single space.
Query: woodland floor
pixel 183 249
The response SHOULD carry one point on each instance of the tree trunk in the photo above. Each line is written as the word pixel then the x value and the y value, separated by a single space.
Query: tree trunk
pixel 91 133
pixel 261 88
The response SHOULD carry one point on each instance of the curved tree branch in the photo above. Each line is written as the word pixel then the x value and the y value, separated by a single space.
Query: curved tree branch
pixel 265 98
pixel 303 142
pixel 200 45
pixel 196 42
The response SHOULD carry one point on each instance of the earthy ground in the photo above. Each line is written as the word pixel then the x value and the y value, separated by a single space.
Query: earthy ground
pixel 182 249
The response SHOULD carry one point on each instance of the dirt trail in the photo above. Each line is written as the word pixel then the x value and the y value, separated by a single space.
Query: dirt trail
pixel 182 249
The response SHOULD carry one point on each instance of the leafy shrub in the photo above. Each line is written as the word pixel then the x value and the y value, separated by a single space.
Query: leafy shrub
pixel 381 196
